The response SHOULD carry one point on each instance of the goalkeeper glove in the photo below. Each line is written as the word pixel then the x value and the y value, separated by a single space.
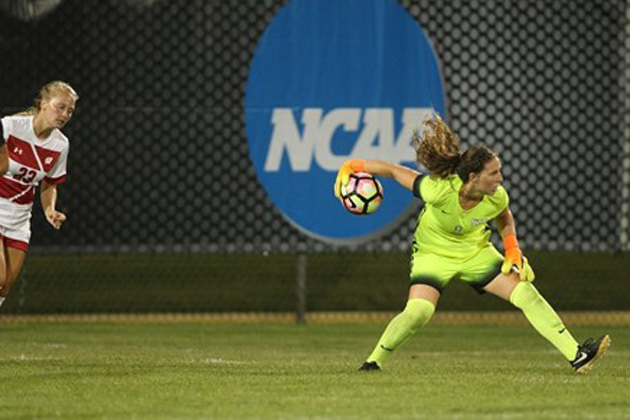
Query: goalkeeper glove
pixel 514 256
pixel 343 176
pixel 527 274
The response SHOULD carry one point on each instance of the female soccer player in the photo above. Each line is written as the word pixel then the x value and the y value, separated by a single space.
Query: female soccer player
pixel 462 192
pixel 35 151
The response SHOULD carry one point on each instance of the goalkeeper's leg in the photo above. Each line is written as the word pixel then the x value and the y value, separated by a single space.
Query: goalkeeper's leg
pixel 417 313
pixel 537 310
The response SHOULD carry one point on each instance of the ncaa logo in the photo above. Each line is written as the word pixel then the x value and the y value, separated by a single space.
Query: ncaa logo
pixel 330 81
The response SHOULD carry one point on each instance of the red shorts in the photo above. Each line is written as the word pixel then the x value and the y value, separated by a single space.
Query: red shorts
pixel 14 243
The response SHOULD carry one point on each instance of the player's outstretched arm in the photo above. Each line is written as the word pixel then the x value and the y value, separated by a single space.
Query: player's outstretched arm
pixel 403 175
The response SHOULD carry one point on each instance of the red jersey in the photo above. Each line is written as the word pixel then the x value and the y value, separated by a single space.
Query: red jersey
pixel 30 160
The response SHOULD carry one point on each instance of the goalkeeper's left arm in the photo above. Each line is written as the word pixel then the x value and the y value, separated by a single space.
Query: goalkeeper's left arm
pixel 513 254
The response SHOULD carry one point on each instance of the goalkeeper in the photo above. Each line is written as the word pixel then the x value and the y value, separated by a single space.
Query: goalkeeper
pixel 462 193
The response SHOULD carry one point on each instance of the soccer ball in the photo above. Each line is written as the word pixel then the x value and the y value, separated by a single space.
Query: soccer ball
pixel 363 194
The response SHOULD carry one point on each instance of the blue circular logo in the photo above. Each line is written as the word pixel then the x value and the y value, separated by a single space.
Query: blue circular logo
pixel 336 80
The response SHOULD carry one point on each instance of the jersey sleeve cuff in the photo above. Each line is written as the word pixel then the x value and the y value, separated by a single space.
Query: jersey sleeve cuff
pixel 58 180
pixel 416 186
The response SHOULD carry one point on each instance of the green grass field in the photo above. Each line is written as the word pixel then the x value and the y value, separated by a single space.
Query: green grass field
pixel 278 371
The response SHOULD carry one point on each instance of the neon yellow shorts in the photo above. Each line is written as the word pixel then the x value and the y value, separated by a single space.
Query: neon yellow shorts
pixel 437 271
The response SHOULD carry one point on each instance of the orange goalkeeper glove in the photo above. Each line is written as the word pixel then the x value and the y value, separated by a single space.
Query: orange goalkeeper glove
pixel 343 176
pixel 514 257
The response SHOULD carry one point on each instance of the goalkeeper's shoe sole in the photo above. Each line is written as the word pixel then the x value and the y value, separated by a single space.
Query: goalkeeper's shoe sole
pixel 369 367
pixel 589 352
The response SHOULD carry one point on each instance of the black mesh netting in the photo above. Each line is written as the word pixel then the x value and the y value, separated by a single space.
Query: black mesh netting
pixel 159 156
pixel 159 159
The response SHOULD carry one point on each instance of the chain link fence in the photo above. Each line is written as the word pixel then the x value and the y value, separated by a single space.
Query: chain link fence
pixel 166 213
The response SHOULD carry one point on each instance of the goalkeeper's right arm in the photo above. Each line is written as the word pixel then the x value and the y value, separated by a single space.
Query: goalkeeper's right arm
pixel 403 175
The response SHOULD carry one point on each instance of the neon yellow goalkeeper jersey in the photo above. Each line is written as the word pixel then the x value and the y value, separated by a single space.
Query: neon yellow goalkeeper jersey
pixel 444 228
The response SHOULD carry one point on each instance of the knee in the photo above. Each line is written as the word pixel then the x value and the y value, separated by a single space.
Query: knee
pixel 419 311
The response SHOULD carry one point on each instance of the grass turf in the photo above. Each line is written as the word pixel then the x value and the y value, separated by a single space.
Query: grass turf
pixel 244 371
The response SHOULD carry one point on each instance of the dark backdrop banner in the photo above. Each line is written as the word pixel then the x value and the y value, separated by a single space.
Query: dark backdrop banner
pixel 159 157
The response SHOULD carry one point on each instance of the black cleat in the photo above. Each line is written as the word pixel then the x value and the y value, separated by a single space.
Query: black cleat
pixel 369 367
pixel 589 352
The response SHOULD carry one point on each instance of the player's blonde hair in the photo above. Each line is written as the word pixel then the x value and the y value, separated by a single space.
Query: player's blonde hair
pixel 48 91
pixel 437 149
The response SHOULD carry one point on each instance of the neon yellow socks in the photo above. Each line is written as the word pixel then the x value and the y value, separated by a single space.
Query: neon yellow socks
pixel 416 314
pixel 543 318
